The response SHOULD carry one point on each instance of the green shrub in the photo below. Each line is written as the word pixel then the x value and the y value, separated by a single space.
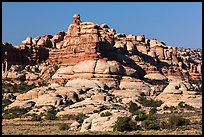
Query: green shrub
pixel 42 83
pixel 140 115
pixel 51 115
pixel 125 124
pixel 9 116
pixel 36 118
pixel 96 111
pixel 133 107
pixel 149 102
pixel 56 68
pixel 107 113
pixel 64 126
pixel 51 73
pixel 175 120
pixel 79 117
pixel 153 110
pixel 17 111
pixel 122 124
pixel 184 105
pixel 151 124
pixel 164 125
pixel 133 125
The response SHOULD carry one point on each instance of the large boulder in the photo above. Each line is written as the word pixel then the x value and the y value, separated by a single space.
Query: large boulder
pixel 97 123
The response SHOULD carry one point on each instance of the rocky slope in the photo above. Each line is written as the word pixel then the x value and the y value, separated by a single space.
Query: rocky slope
pixel 90 68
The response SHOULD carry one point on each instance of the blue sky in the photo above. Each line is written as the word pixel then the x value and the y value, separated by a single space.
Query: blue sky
pixel 175 23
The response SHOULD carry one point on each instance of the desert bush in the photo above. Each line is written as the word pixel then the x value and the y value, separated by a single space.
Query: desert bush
pixel 51 115
pixel 56 67
pixel 184 105
pixel 42 83
pixel 175 120
pixel 17 111
pixel 9 116
pixel 164 125
pixel 64 126
pixel 105 114
pixel 140 115
pixel 149 102
pixel 79 117
pixel 96 111
pixel 133 125
pixel 36 118
pixel 151 124
pixel 125 124
pixel 52 73
pixel 153 110
pixel 133 107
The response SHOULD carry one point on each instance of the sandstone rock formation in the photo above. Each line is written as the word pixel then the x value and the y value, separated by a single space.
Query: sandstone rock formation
pixel 90 68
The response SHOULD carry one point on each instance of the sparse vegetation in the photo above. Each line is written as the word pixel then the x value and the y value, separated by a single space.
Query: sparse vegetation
pixel 149 102
pixel 56 67
pixel 36 117
pixel 176 120
pixel 153 110
pixel 64 126
pixel 9 116
pixel 20 88
pixel 151 122
pixel 51 73
pixel 140 115
pixel 42 83
pixel 184 105
pixel 79 118
pixel 51 115
pixel 133 107
pixel 18 112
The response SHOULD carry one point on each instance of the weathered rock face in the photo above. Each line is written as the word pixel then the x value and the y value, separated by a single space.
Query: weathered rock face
pixel 85 41
pixel 178 91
